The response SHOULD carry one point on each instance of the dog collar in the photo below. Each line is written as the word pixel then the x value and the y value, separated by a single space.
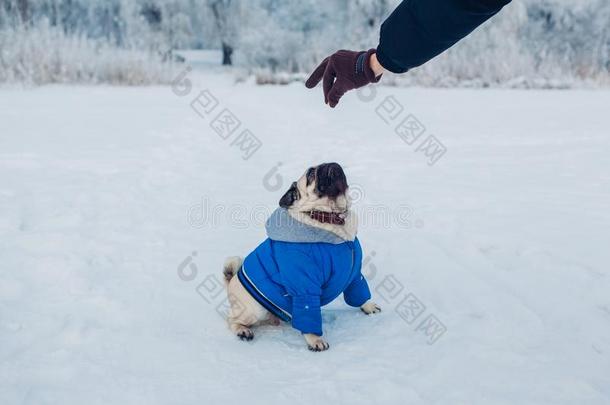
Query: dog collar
pixel 335 218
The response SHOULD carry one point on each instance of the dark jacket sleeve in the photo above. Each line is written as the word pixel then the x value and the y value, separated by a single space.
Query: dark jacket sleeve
pixel 418 30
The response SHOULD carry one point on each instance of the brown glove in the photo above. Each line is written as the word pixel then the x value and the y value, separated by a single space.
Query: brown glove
pixel 343 71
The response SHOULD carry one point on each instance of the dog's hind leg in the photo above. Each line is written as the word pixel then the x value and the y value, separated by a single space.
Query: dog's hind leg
pixel 245 310
pixel 241 331
pixel 271 320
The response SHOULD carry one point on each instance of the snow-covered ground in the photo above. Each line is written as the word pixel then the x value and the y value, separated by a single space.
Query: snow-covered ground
pixel 502 244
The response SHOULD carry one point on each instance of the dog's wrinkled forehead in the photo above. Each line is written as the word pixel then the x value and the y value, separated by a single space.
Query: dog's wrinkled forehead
pixel 323 182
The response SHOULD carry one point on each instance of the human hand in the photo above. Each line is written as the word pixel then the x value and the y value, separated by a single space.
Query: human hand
pixel 343 71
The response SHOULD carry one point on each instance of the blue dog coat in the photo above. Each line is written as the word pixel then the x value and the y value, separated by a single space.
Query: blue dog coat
pixel 300 268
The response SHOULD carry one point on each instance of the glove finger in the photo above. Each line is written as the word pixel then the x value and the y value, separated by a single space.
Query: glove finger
pixel 316 76
pixel 327 81
pixel 335 94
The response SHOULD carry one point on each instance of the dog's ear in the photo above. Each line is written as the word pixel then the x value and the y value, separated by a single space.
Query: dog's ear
pixel 290 197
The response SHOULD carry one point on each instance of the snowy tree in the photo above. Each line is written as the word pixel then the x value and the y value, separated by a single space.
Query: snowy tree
pixel 365 19
pixel 15 12
pixel 530 42
pixel 227 20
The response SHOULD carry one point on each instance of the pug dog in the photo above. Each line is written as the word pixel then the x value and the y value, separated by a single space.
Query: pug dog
pixel 310 257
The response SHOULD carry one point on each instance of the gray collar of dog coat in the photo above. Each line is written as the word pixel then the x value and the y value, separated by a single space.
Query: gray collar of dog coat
pixel 281 226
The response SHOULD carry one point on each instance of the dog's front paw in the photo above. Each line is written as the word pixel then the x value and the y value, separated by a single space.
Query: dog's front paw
pixel 315 343
pixel 319 345
pixel 370 307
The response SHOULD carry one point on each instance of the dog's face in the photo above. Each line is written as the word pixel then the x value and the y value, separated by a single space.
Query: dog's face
pixel 322 187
